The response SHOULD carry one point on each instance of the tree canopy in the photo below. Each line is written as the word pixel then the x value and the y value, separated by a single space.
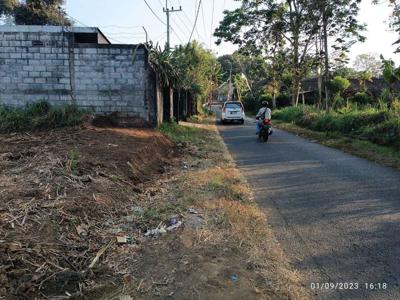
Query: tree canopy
pixel 35 12
pixel 188 67
pixel 368 62
pixel 305 30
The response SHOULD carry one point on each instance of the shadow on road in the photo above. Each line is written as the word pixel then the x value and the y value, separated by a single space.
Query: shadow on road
pixel 336 215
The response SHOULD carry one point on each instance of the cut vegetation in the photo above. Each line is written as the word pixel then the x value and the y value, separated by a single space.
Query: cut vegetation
pixel 84 213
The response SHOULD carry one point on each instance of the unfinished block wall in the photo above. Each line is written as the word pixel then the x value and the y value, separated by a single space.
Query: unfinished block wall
pixel 47 65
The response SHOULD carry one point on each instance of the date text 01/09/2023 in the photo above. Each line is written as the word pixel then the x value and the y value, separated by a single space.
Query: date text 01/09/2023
pixel 348 285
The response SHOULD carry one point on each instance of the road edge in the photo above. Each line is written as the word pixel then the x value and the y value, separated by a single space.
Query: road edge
pixel 380 155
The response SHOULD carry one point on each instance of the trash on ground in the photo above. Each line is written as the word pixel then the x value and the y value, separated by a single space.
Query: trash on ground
pixel 173 221
pixel 82 230
pixel 175 226
pixel 124 239
pixel 193 211
pixel 234 278
pixel 156 231
pixel 163 229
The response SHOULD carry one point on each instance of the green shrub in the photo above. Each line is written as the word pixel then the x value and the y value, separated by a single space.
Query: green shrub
pixel 288 114
pixel 362 98
pixel 39 116
pixel 380 126
pixel 266 97
pixel 386 133
pixel 339 84
pixel 396 107
pixel 283 100
pixel 354 121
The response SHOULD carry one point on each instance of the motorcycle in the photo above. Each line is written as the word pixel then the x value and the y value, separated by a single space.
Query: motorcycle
pixel 265 131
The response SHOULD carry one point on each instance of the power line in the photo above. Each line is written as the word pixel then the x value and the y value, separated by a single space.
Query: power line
pixel 179 27
pixel 212 22
pixel 168 11
pixel 204 21
pixel 184 24
pixel 160 37
pixel 76 20
pixel 118 41
pixel 117 26
pixel 195 21
pixel 125 32
pixel 177 35
pixel 158 18
pixel 189 20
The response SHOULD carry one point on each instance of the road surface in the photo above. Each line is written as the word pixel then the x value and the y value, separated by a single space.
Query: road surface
pixel 337 216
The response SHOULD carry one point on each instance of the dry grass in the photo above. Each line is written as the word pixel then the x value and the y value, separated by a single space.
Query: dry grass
pixel 233 218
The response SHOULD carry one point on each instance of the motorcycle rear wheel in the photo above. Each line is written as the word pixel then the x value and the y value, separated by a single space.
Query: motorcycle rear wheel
pixel 263 136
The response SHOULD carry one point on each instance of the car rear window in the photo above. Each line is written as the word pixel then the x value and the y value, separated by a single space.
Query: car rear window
pixel 234 105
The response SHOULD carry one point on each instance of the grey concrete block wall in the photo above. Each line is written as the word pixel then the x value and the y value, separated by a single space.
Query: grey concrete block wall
pixel 37 63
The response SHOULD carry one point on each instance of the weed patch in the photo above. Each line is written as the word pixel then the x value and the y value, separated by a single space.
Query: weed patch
pixel 39 116
pixel 180 133
pixel 379 126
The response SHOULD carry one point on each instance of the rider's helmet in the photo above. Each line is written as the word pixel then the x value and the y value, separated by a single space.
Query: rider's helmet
pixel 264 103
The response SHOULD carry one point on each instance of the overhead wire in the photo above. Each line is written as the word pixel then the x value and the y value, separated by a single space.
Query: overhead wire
pixel 188 19
pixel 154 13
pixel 195 21
pixel 75 19
pixel 179 27
pixel 212 21
pixel 177 35
pixel 117 26
pixel 204 22
pixel 113 34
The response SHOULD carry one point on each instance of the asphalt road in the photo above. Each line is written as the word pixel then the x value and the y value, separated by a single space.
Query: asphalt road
pixel 337 216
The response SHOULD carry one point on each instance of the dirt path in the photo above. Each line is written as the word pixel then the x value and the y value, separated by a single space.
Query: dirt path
pixel 336 215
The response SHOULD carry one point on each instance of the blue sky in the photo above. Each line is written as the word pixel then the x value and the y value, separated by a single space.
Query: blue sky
pixel 121 20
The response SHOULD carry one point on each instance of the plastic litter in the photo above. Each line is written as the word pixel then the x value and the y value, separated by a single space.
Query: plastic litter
pixel 156 231
pixel 163 229
pixel 173 221
pixel 193 211
pixel 175 226
pixel 124 239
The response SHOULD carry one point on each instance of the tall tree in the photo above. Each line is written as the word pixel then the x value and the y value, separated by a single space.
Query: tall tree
pixel 368 62
pixel 35 12
pixel 339 30
pixel 297 24
pixel 394 21
pixel 258 24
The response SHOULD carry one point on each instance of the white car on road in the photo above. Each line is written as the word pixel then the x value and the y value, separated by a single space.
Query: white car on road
pixel 232 111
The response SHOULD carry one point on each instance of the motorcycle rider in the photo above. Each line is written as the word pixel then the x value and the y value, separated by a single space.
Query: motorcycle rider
pixel 263 113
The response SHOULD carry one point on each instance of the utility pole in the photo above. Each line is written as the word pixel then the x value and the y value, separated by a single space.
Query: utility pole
pixel 168 11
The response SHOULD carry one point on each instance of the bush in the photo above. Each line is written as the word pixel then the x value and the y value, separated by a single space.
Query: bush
pixel 283 100
pixel 380 126
pixel 39 116
pixel 289 114
pixel 396 107
pixel 362 98
pixel 339 84
pixel 266 97
pixel 386 133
